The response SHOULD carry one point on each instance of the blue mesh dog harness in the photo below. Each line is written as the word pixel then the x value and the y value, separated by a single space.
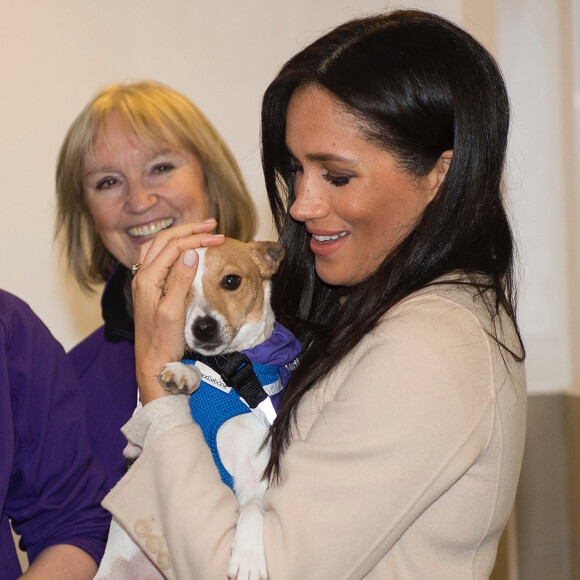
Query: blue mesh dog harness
pixel 251 374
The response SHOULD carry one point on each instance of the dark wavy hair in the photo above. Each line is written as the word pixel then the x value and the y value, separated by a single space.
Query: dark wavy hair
pixel 419 85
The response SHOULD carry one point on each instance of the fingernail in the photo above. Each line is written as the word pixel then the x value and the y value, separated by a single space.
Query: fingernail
pixel 211 219
pixel 190 258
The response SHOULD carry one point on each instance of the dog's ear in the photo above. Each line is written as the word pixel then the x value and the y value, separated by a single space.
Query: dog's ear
pixel 268 256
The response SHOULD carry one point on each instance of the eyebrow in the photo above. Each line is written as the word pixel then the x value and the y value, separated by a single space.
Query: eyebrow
pixel 324 157
pixel 109 168
pixel 329 157
pixel 104 169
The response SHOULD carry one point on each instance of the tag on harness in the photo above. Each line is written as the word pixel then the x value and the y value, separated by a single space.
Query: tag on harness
pixel 212 377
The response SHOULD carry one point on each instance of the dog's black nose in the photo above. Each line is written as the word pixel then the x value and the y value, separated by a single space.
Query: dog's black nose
pixel 205 328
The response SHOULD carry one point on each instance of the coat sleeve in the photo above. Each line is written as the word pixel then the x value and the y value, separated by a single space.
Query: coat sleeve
pixel 407 415
pixel 55 486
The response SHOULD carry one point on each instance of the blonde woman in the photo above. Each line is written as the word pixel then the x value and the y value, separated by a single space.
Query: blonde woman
pixel 139 158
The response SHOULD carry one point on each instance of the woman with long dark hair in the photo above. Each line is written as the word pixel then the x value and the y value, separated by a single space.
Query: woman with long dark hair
pixel 398 442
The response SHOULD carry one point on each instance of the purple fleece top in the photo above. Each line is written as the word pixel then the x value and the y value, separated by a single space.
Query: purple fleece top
pixel 105 365
pixel 50 484
pixel 106 371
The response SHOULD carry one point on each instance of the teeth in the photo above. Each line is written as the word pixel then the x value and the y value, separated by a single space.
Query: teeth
pixel 150 229
pixel 328 238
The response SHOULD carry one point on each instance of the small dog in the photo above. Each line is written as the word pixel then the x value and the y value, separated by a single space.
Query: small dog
pixel 228 310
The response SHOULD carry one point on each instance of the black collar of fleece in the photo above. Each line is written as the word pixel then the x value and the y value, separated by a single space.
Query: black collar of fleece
pixel 117 306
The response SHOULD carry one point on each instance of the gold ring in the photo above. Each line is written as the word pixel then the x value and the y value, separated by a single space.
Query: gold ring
pixel 135 268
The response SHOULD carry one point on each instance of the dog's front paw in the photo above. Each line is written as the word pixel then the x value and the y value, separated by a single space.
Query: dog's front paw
pixel 248 561
pixel 178 378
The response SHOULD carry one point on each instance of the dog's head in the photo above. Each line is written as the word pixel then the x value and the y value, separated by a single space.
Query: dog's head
pixel 229 303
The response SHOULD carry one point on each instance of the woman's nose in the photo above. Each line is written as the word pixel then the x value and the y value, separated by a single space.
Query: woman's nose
pixel 140 198
pixel 308 203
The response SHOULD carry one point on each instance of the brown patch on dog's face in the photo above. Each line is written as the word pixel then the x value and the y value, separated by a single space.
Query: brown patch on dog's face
pixel 235 279
pixel 228 306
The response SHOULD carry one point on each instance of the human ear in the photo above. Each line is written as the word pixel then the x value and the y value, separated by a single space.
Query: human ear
pixel 439 172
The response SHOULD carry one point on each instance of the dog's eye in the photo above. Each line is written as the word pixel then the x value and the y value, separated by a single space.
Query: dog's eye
pixel 231 282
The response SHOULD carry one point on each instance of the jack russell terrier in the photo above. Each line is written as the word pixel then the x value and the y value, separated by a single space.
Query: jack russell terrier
pixel 238 360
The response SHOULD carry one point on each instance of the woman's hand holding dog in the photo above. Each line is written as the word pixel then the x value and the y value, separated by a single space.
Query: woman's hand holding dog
pixel 167 267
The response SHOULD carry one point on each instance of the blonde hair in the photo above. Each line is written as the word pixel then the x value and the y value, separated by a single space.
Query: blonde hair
pixel 159 116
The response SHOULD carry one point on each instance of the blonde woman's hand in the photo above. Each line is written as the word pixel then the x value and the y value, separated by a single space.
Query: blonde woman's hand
pixel 166 270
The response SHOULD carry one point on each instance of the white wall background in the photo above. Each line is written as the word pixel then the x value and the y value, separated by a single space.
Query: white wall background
pixel 55 54
pixel 537 52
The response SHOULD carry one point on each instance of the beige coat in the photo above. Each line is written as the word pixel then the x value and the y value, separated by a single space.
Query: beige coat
pixel 404 464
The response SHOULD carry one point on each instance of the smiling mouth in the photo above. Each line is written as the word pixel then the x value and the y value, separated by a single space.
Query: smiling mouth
pixel 322 239
pixel 150 229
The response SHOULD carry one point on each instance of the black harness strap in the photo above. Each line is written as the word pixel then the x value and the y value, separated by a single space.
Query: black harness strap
pixel 237 372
